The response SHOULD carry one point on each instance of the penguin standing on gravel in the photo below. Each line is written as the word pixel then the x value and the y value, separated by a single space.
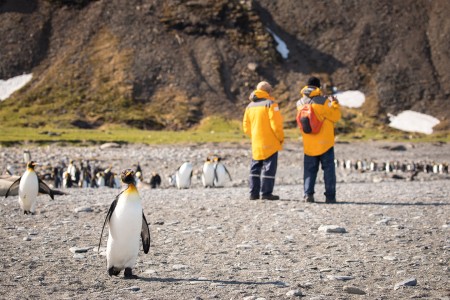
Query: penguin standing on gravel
pixel 183 176
pixel 29 186
pixel 221 173
pixel 208 173
pixel 126 222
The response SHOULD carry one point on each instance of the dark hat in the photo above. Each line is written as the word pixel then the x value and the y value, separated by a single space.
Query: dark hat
pixel 314 81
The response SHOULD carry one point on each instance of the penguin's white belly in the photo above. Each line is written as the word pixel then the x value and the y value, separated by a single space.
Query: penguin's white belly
pixel 101 181
pixel 124 233
pixel 208 175
pixel 28 191
pixel 221 176
pixel 183 176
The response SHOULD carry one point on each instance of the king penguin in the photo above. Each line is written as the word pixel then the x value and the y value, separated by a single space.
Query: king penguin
pixel 126 221
pixel 29 186
pixel 183 176
pixel 208 173
pixel 221 173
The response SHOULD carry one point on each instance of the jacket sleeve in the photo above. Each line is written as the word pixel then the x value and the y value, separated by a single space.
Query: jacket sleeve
pixel 246 125
pixel 332 111
pixel 276 121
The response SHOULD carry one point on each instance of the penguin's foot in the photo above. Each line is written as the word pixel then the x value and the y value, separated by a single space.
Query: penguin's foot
pixel 113 271
pixel 128 273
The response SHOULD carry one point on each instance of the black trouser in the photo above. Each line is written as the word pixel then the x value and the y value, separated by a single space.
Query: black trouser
pixel 262 175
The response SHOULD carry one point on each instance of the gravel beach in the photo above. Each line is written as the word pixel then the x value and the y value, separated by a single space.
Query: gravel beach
pixel 387 238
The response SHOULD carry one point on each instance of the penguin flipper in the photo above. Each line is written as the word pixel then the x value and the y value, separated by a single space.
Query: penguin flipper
pixel 13 186
pixel 44 189
pixel 216 177
pixel 145 234
pixel 57 192
pixel 108 217
pixel 226 170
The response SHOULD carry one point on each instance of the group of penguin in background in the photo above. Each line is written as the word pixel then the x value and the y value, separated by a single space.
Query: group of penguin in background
pixel 83 175
pixel 392 166
pixel 214 174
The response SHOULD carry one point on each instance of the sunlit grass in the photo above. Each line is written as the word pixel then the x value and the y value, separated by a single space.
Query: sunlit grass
pixel 210 130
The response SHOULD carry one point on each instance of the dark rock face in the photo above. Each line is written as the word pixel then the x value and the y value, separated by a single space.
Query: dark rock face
pixel 168 64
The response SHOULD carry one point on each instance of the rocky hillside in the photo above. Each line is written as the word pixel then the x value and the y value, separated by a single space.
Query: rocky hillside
pixel 166 64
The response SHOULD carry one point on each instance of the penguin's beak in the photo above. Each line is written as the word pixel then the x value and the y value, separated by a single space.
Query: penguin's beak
pixel 35 164
pixel 129 173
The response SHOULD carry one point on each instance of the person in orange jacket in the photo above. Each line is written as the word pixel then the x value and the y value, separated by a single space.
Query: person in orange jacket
pixel 319 148
pixel 263 123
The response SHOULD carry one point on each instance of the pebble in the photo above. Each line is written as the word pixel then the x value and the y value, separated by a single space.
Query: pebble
pixel 281 284
pixel 384 221
pixel 179 267
pixel 294 293
pixel 353 290
pixel 109 145
pixel 133 288
pixel 244 246
pixel 325 270
pixel 83 209
pixel 408 282
pixel 80 249
pixel 332 229
pixel 391 258
pixel 27 238
pixel 79 256
pixel 342 278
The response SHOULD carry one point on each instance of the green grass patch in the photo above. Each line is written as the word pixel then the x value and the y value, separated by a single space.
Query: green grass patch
pixel 211 130
pixel 120 134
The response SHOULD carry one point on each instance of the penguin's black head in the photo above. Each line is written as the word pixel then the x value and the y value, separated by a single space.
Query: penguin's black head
pixel 31 164
pixel 127 176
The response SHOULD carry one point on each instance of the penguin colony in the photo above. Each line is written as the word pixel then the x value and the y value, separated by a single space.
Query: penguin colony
pixel 391 166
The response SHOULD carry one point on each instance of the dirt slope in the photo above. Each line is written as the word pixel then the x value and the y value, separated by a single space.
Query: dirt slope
pixel 167 64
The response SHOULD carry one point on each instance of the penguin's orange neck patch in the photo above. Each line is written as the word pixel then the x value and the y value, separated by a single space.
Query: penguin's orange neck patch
pixel 30 169
pixel 131 189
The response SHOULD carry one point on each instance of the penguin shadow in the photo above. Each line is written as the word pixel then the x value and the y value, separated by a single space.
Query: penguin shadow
pixel 219 281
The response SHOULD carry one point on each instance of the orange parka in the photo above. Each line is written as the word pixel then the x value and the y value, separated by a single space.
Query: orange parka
pixel 327 111
pixel 263 123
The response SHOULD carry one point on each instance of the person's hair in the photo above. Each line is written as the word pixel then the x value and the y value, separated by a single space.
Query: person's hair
pixel 265 86
pixel 314 81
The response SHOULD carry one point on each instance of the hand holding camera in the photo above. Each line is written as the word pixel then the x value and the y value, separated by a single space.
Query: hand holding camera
pixel 333 98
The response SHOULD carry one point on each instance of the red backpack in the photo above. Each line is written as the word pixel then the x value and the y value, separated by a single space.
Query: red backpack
pixel 307 120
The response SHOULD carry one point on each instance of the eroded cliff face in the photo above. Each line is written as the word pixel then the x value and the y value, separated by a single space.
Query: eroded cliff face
pixel 167 64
